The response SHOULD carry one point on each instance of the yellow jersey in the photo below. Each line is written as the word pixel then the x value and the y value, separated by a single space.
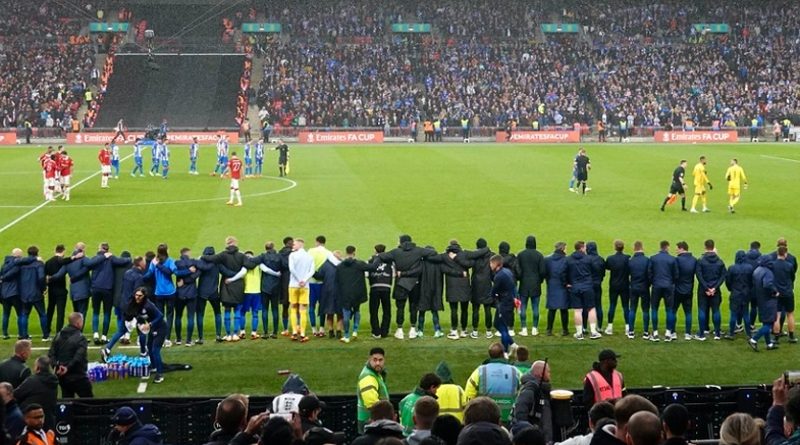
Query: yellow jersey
pixel 700 175
pixel 735 176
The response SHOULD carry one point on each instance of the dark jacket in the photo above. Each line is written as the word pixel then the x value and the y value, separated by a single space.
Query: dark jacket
pixel 483 433
pixel 208 283
pixel 739 279
pixel 751 257
pixel 131 280
pixel 556 272
pixel 639 266
pixel 407 259
pixel 481 276
pixel 147 434
pixel 710 273
pixel 617 265
pixel 431 283
pixel 351 284
pixel 456 276
pixel 784 272
pixel 284 286
pixel 188 290
pixel 40 388
pixel 531 269
pixel 381 277
pixel 580 270
pixel 15 423
pixel 330 302
pixel 233 260
pixel 103 269
pixel 14 371
pixel 509 259
pixel 220 437
pixel 56 286
pixel 774 433
pixel 605 436
pixel 375 431
pixel 663 270
pixel 269 283
pixel 687 264
pixel 9 274
pixel 765 291
pixel 119 278
pixel 69 349
pixel 504 290
pixel 534 394
pixel 79 281
pixel 598 264
pixel 31 281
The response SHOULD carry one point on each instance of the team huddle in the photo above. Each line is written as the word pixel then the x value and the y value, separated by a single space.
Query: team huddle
pixel 734 175
pixel 57 166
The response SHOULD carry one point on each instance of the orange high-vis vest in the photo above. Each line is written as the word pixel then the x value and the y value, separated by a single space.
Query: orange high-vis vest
pixel 602 391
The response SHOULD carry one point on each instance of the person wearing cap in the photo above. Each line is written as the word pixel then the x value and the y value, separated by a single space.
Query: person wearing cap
pixel 309 408
pixel 129 430
pixel 533 402
pixel 428 385
pixel 603 382
pixel 450 396
pixel 292 392
pixel 371 385
pixel 496 379
pixel 34 432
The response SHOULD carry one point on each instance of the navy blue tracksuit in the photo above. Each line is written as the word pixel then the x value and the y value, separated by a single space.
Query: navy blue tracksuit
pixel 598 274
pixel 739 281
pixel 580 272
pixel 766 292
pixel 639 266
pixel 619 284
pixel 684 287
pixel 504 290
pixel 31 292
pixel 710 275
pixel 663 273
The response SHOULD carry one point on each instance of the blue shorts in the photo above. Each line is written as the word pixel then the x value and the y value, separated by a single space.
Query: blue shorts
pixel 115 163
pixel 581 299
pixel 248 161
pixel 138 161
pixel 165 164
pixel 223 160
pixel 252 302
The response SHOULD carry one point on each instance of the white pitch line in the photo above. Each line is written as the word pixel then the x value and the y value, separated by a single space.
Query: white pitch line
pixel 42 205
pixel 780 158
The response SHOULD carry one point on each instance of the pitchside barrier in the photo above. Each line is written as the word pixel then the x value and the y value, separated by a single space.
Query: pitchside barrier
pixel 190 420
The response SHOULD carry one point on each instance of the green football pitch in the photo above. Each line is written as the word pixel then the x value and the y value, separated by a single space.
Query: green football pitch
pixel 371 194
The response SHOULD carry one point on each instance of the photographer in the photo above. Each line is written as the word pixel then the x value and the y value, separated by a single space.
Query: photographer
pixel 783 418
pixel 533 401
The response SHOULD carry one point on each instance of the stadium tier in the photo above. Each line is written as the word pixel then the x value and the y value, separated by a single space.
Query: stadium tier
pixel 190 91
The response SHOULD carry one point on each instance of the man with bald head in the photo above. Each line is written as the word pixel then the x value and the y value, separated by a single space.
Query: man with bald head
pixel 624 410
pixel 497 379
pixel 644 428
pixel 533 401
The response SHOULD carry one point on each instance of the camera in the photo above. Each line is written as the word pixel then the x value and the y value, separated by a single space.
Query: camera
pixel 791 378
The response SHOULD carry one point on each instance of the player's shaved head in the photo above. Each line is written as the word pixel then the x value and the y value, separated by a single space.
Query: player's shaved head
pixel 638 246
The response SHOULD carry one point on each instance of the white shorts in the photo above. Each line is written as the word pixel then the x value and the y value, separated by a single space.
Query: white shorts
pixel 51 182
pixel 105 169
pixel 234 184
pixel 65 179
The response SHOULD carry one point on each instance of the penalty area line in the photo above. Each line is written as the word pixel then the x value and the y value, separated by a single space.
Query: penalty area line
pixel 42 205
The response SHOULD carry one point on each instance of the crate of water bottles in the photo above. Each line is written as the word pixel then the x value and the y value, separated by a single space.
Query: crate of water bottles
pixel 119 367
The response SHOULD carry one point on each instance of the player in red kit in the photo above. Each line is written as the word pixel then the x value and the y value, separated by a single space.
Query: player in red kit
pixel 42 158
pixel 104 156
pixel 66 173
pixel 49 167
pixel 235 170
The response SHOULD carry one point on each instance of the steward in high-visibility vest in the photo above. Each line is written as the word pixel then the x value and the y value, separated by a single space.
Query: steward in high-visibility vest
pixel 603 382
pixel 371 386
pixel 427 387
pixel 495 379
pixel 451 397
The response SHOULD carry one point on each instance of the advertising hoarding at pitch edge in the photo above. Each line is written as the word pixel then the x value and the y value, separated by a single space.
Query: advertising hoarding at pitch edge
pixel 705 137
pixel 8 138
pixel 340 137
pixel 534 137
pixel 177 137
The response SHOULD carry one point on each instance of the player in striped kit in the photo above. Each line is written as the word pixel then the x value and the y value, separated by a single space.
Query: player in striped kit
pixel 222 156
pixel 194 150
pixel 248 160
pixel 155 159
pixel 137 158
pixel 259 153
pixel 235 168
pixel 163 155
pixel 115 159
pixel 65 166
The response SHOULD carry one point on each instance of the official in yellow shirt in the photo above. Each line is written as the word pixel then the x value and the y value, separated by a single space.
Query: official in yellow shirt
pixel 736 178
pixel 700 182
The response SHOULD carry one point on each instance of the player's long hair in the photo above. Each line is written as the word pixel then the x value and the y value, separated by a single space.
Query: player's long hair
pixel 134 308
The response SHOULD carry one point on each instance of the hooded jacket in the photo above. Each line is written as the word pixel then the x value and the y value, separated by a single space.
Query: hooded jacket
pixel 534 394
pixel 663 270
pixel 509 259
pixel 79 282
pixel 739 279
pixel 40 388
pixel 556 270
pixel 617 265
pixel 483 433
pixel 31 281
pixel 377 430
pixel 450 396
pixel 269 283
pixel 407 259
pixel 232 260
pixel 139 434
pixel 188 290
pixel 456 276
pixel 580 270
pixel 131 280
pixel 208 283
pixel 103 269
pixel 531 269
pixel 481 276
pixel 765 290
pixel 9 287
pixel 710 273
pixel 119 277
pixel 431 283
pixel 639 265
pixel 330 301
pixel 598 264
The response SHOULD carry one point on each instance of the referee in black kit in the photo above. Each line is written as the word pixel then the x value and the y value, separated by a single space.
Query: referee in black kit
pixel 678 187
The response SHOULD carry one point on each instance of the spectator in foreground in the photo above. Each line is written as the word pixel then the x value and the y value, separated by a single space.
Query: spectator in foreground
pixel 426 410
pixel 644 428
pixel 382 424
pixel 482 424
pixel 529 436
pixel 40 388
pixel 35 432
pixel 14 370
pixel 741 429
pixel 129 430
pixel 624 409
pixel 231 416
pixel 13 420
pixel 446 427
pixel 675 423
pixel 309 410
pixel 600 414
pixel 784 415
